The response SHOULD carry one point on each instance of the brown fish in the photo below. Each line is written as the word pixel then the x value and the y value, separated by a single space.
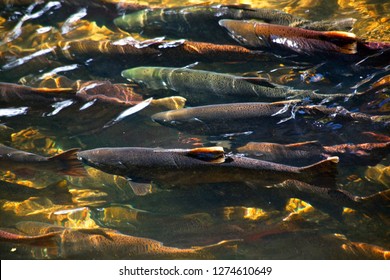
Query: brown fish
pixel 262 35
pixel 110 244
pixel 187 167
pixel 311 151
pixel 65 163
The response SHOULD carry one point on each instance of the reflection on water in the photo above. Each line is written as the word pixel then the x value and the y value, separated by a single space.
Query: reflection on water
pixel 61 88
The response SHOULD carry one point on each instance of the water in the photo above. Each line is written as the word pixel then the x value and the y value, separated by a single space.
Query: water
pixel 269 227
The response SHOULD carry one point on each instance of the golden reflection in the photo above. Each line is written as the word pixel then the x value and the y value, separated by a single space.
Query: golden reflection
pixel 239 213
pixel 74 218
pixel 32 140
pixel 378 174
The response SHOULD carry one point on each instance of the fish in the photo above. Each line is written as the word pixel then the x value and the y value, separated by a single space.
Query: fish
pixel 226 118
pixel 57 192
pixel 201 85
pixel 219 119
pixel 153 51
pixel 19 94
pixel 200 22
pixel 311 151
pixel 65 163
pixel 332 201
pixel 101 243
pixel 274 37
pixel 188 167
pixel 43 240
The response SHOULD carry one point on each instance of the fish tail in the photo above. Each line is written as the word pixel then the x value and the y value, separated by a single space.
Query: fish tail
pixel 322 174
pixel 377 204
pixel 69 163
pixel 345 41
pixel 44 240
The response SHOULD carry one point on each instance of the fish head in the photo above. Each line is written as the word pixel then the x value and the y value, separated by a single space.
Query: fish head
pixel 144 76
pixel 109 160
pixel 242 31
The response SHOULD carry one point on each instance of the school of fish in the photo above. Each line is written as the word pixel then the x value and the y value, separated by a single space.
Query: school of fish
pixel 204 131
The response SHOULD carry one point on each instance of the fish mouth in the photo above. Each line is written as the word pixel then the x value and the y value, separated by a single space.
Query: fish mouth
pixel 84 157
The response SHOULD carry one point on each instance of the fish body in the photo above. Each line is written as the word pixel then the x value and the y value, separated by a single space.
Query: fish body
pixel 225 118
pixel 332 200
pixel 187 167
pixel 65 163
pixel 20 94
pixel 198 84
pixel 100 243
pixel 277 37
pixel 308 152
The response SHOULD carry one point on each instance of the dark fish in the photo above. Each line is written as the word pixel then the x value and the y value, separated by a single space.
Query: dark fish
pixel 109 244
pixel 248 117
pixel 332 200
pixel 312 151
pixel 199 85
pixel 270 36
pixel 19 94
pixel 154 50
pixel 200 22
pixel 65 163
pixel 186 167
pixel 57 192
pixel 226 118
pixel 83 91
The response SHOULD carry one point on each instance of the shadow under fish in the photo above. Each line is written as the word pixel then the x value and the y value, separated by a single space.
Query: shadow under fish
pixel 57 192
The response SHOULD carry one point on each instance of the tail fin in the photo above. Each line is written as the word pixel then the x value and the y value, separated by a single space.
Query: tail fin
pixel 69 163
pixel 44 240
pixel 322 173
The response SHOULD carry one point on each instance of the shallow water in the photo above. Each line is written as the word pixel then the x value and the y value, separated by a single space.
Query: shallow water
pixel 268 226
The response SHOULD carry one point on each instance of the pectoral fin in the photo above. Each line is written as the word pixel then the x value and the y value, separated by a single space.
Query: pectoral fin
pixel 209 154
pixel 140 189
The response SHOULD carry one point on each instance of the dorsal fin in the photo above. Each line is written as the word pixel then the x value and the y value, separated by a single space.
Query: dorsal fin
pixel 346 41
pixel 140 189
pixel 210 154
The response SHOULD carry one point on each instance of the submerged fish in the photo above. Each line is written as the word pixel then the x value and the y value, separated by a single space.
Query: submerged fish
pixel 312 151
pixel 200 22
pixel 201 85
pixel 109 244
pixel 332 200
pixel 186 167
pixel 243 117
pixel 20 94
pixel 277 37
pixel 57 192
pixel 65 163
